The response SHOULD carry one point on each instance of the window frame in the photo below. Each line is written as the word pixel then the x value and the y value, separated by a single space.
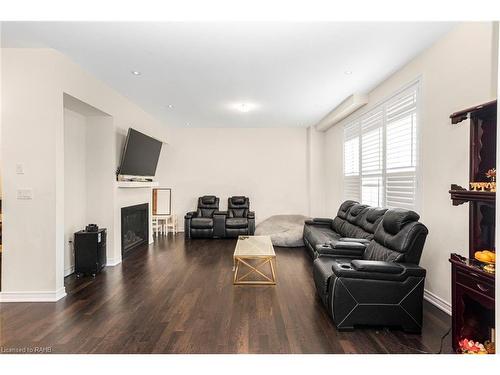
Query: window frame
pixel 357 118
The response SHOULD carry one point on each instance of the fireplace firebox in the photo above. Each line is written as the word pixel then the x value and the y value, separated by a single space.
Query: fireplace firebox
pixel 135 227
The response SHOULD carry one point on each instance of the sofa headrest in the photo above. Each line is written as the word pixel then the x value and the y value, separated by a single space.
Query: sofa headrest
pixel 395 219
pixel 208 199
pixel 371 219
pixel 207 205
pixel 238 203
pixel 357 209
pixel 344 208
pixel 238 200
pixel 355 213
pixel 374 213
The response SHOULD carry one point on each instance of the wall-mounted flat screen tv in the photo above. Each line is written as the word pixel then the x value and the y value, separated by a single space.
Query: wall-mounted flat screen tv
pixel 140 154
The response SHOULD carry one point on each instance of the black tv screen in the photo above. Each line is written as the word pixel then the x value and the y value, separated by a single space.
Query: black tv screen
pixel 140 154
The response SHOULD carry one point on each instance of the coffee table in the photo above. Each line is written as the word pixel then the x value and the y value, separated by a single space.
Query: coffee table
pixel 257 254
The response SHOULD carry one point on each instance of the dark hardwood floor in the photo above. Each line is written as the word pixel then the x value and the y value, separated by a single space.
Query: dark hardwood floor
pixel 178 297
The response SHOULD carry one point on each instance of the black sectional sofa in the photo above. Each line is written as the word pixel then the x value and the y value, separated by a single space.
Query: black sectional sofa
pixel 366 266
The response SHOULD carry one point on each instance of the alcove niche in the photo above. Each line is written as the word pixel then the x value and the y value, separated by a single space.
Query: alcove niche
pixel 89 171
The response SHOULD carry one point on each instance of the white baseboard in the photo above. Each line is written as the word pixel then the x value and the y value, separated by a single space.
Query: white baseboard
pixel 113 262
pixel 437 301
pixel 69 271
pixel 33 296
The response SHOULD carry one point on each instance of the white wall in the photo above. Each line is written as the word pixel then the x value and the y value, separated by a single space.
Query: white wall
pixel 457 72
pixel 316 172
pixel 75 181
pixel 100 184
pixel 33 83
pixel 268 165
pixel 334 169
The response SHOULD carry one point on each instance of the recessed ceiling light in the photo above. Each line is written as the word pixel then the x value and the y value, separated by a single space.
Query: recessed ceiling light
pixel 347 72
pixel 170 106
pixel 135 72
pixel 244 107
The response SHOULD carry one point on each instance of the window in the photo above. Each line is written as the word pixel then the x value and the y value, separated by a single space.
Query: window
pixel 380 153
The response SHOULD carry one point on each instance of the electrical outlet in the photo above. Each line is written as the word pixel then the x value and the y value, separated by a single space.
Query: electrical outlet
pixel 25 194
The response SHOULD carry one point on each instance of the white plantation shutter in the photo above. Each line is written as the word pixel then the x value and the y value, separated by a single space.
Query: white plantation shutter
pixel 380 153
pixel 372 158
pixel 401 149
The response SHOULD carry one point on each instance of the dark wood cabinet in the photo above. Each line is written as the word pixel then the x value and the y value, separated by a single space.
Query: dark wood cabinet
pixel 473 289
pixel 473 301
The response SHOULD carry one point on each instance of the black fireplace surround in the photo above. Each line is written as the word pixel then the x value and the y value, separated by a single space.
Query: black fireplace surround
pixel 135 228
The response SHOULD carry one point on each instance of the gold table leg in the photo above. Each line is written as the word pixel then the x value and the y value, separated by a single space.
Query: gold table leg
pixel 239 280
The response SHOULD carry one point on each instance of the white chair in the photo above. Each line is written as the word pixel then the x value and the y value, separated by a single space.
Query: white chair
pixel 171 223
pixel 157 227
pixel 163 224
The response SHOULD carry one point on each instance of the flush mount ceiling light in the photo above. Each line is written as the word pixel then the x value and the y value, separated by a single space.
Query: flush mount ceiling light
pixel 170 106
pixel 135 72
pixel 347 72
pixel 244 107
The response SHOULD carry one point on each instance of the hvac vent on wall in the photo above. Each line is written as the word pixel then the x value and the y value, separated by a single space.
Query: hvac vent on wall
pixel 341 111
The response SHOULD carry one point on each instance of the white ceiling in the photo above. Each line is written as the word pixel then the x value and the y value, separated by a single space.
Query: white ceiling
pixel 293 72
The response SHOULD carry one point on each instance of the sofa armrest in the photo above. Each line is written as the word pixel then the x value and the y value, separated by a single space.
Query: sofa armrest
pixel 322 220
pixel 251 223
pixel 350 245
pixel 376 270
pixel 359 240
pixel 319 221
pixel 187 223
pixel 376 266
pixel 344 250
pixel 219 224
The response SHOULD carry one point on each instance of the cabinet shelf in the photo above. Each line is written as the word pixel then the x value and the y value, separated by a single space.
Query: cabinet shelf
pixel 460 195
pixel 471 266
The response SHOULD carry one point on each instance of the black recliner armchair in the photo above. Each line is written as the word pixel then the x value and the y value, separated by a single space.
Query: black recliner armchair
pixel 201 223
pixel 239 219
pixel 380 285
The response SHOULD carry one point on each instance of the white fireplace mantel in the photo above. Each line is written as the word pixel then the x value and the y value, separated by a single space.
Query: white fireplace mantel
pixel 136 184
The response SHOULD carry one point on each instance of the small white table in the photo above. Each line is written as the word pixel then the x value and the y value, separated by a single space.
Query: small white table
pixel 255 253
